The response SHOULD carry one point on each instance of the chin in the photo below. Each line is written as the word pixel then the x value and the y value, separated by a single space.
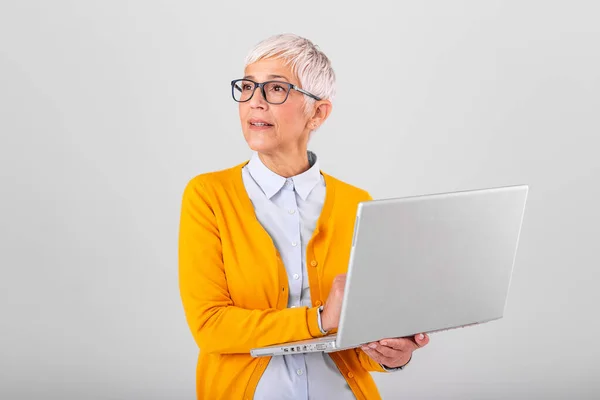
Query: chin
pixel 260 143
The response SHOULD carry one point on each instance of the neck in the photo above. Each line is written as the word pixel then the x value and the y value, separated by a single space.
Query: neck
pixel 287 165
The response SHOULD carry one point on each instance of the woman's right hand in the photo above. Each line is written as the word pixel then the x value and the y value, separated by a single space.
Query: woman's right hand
pixel 330 317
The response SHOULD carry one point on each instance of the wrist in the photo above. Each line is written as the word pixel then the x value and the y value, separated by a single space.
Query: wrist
pixel 398 367
pixel 324 320
pixel 322 327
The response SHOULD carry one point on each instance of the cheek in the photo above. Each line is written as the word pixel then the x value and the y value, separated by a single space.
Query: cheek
pixel 290 118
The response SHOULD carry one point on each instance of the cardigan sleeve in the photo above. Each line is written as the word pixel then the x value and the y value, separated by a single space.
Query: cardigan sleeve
pixel 217 325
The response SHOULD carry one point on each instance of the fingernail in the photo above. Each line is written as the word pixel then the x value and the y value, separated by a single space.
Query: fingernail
pixel 372 345
pixel 384 343
pixel 421 336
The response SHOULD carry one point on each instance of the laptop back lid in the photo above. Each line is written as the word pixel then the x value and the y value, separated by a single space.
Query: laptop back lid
pixel 428 263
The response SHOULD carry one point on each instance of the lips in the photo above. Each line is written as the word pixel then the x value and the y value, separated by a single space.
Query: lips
pixel 259 123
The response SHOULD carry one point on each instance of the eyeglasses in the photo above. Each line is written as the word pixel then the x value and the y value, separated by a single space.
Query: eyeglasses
pixel 274 92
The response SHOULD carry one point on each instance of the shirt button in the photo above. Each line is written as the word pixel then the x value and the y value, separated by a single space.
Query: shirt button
pixel 292 211
pixel 299 372
pixel 350 375
pixel 318 303
pixel 294 244
pixel 296 276
pixel 313 263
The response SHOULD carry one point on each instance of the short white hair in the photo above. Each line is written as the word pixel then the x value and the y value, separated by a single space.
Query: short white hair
pixel 307 61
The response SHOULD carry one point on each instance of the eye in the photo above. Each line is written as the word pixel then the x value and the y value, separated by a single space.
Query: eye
pixel 278 88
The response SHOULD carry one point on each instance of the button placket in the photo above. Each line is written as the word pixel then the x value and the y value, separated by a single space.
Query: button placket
pixel 292 223
pixel 297 249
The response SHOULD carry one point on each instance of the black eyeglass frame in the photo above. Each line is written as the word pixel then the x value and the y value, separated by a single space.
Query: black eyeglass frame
pixel 262 89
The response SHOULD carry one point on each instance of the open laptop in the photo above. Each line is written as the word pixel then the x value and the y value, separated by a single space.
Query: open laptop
pixel 424 264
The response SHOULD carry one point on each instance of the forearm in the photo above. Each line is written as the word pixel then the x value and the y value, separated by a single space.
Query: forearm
pixel 230 329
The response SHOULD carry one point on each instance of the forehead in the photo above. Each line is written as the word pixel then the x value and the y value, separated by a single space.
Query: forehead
pixel 270 68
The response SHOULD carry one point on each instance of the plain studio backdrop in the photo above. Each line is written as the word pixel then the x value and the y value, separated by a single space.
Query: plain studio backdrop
pixel 108 109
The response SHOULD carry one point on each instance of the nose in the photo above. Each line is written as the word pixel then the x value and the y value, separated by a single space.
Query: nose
pixel 257 100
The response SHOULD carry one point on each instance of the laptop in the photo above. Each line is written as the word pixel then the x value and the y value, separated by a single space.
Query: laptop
pixel 424 264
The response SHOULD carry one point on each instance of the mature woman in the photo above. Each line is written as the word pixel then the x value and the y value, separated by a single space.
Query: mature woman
pixel 264 246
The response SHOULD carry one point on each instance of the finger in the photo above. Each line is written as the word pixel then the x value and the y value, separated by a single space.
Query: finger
pixel 402 344
pixel 422 339
pixel 386 351
pixel 374 355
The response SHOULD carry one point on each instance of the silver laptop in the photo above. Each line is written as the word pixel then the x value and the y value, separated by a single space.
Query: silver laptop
pixel 424 264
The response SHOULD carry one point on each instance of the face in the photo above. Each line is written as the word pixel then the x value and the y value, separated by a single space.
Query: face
pixel 287 125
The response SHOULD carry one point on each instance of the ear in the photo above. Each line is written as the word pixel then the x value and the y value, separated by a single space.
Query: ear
pixel 322 110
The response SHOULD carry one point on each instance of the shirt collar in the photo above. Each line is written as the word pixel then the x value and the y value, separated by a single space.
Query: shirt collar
pixel 271 183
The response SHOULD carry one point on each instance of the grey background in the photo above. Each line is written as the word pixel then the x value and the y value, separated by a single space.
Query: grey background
pixel 108 108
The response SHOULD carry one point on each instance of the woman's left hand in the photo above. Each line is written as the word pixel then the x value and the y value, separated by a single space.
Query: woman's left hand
pixel 395 352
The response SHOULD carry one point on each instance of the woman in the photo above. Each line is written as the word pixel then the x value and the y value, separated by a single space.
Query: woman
pixel 264 246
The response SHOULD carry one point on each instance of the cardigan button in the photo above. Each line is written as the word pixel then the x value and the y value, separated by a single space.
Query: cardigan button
pixel 318 303
pixel 350 375
pixel 313 263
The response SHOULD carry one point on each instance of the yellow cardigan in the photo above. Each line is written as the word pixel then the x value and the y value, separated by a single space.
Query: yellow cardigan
pixel 234 286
